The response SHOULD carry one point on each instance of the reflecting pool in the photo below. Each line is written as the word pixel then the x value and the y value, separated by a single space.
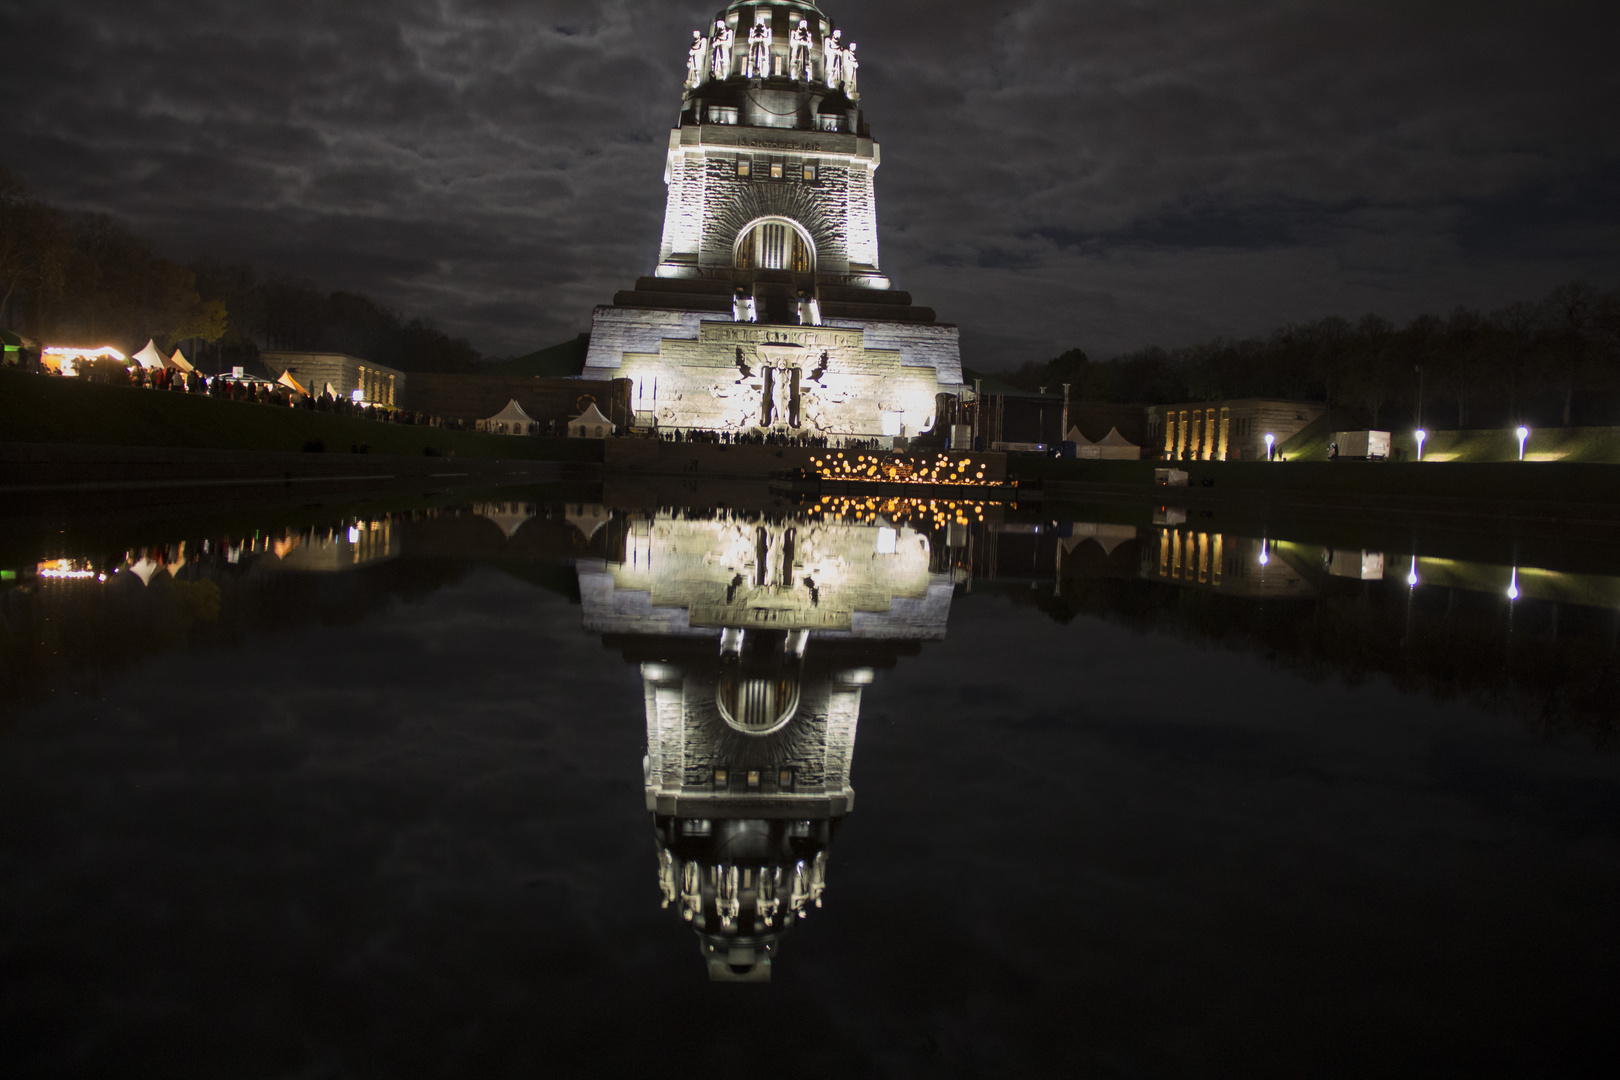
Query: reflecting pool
pixel 530 781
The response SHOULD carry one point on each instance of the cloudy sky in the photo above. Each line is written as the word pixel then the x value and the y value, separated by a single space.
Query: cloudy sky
pixel 1105 174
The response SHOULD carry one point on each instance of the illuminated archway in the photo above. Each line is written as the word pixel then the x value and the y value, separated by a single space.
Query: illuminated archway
pixel 774 243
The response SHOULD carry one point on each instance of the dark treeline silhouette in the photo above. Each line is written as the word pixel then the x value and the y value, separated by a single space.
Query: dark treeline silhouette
pixel 1552 362
pixel 85 279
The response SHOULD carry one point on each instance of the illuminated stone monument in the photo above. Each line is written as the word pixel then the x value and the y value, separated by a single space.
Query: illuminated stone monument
pixel 768 312
pixel 755 639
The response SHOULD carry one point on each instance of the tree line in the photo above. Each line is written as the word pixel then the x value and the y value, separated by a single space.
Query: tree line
pixel 86 279
pixel 1555 361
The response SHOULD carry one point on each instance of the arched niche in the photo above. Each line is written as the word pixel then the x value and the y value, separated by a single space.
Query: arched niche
pixel 774 243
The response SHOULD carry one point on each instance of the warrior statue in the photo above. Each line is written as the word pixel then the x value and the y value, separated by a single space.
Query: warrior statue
pixel 799 43
pixel 720 63
pixel 851 66
pixel 694 60
pixel 809 310
pixel 832 52
pixel 782 394
pixel 759 51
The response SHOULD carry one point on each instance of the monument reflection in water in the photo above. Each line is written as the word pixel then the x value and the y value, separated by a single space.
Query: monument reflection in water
pixel 755 636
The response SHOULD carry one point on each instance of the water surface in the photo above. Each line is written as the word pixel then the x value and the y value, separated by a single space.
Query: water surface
pixel 333 792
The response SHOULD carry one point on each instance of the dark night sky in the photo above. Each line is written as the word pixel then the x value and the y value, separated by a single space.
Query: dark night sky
pixel 1102 174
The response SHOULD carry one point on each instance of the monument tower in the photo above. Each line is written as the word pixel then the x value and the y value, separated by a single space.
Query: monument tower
pixel 768 312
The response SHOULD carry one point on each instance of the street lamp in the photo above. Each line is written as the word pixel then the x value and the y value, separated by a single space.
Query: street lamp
pixel 1270 438
pixel 1412 577
pixel 1421 435
pixel 1264 558
pixel 1513 585
pixel 1523 433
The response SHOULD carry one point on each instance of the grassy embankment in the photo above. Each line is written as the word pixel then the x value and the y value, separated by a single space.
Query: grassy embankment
pixel 1589 445
pixel 45 409
pixel 1529 481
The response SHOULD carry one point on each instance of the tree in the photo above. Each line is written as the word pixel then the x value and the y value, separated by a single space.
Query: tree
pixel 1570 309
pixel 207 322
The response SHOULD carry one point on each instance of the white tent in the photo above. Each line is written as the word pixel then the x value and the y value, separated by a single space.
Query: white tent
pixel 291 383
pixel 149 357
pixel 1083 447
pixel 1116 447
pixel 179 362
pixel 511 420
pixel 590 424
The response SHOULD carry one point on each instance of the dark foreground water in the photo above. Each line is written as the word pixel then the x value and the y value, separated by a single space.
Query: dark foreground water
pixel 364 795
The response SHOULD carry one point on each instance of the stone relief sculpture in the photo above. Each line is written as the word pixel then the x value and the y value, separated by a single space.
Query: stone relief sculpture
pixel 724 37
pixel 759 51
pixel 799 43
pixel 832 53
pixel 694 60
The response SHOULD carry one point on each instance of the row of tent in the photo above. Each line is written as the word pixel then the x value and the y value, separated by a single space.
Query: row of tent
pixel 515 420
pixel 152 360
pixel 1111 447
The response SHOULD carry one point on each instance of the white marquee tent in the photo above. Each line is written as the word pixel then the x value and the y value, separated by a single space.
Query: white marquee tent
pixel 590 424
pixel 149 357
pixel 511 420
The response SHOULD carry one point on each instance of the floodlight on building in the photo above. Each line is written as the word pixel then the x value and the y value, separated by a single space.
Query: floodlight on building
pixel 1270 438
pixel 1513 584
pixel 1524 434
pixel 1420 435
pixel 357 396
pixel 1265 556
pixel 1412 575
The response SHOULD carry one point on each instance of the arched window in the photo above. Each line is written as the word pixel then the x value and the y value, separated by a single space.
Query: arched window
pixel 774 244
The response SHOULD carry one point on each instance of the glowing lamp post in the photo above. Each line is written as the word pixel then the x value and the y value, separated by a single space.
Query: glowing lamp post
pixel 1421 435
pixel 1412 576
pixel 1513 584
pixel 1270 438
pixel 1523 433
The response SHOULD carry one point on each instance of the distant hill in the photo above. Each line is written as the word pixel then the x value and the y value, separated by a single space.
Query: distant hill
pixel 557 361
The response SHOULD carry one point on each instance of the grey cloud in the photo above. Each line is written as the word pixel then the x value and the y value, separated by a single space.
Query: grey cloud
pixel 1104 174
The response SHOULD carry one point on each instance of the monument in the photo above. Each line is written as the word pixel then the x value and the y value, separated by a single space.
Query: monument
pixel 767 312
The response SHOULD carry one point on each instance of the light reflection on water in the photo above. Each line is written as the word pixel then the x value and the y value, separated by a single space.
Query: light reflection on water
pixel 759 637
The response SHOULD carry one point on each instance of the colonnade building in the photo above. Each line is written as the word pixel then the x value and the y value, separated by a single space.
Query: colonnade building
pixel 768 311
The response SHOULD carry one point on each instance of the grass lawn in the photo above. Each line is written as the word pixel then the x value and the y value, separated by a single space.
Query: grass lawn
pixel 1551 481
pixel 50 409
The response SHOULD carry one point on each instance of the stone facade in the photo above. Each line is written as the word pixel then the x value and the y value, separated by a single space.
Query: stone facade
pixel 378 384
pixel 1226 430
pixel 816 380
pixel 770 238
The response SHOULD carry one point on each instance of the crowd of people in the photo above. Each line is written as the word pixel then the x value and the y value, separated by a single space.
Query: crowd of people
pixel 109 372
pixel 751 438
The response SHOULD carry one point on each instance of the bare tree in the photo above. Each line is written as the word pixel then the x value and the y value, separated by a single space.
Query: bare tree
pixel 1570 309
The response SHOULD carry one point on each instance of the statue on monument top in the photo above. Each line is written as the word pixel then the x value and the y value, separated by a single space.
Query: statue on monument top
pixel 694 59
pixel 851 66
pixel 759 51
pixel 799 43
pixel 720 64
pixel 832 55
